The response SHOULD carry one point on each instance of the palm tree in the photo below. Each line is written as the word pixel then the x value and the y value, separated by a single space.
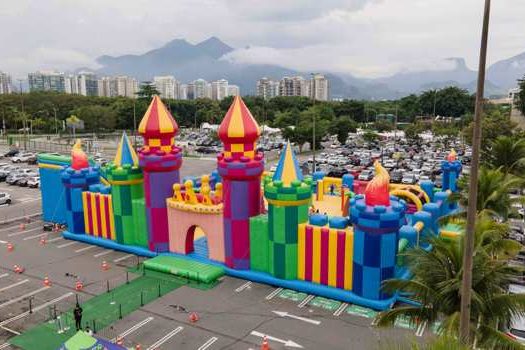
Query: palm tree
pixel 436 285
pixel 494 188
pixel 507 153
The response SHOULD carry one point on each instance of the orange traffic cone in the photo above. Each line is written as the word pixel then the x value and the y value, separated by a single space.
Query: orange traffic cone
pixel 22 227
pixel 138 347
pixel 265 345
pixel 43 240
pixel 47 282
pixel 18 269
pixel 79 286
pixel 120 340
pixel 193 317
pixel 10 247
pixel 105 265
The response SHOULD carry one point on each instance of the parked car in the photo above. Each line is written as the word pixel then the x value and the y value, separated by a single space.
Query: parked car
pixel 517 329
pixel 366 175
pixel 409 179
pixel 396 177
pixel 22 158
pixel 11 153
pixel 33 182
pixel 22 182
pixel 6 171
pixel 14 178
pixel 32 160
pixel 5 198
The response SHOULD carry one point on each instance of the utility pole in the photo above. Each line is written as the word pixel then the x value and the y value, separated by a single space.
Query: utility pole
pixel 466 283
pixel 134 124
pixel 24 121
pixel 313 122
pixel 56 127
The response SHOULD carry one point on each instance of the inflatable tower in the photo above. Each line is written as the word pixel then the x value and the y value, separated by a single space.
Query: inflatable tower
pixel 240 168
pixel 76 179
pixel 451 170
pixel 288 196
pixel 376 218
pixel 160 160
pixel 126 179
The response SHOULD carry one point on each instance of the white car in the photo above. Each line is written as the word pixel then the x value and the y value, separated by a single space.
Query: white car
pixel 22 157
pixel 5 198
pixel 33 182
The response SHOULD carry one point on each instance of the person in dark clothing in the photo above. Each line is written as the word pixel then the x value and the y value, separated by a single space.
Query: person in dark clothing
pixel 77 313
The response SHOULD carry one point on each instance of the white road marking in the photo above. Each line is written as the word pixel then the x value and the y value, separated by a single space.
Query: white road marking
pixel 30 200
pixel 299 318
pixel 22 297
pixel 133 329
pixel 421 329
pixel 165 338
pixel 123 258
pixel 34 236
pixel 208 343
pixel 3 242
pixel 287 343
pixel 273 294
pixel 243 287
pixel 4 275
pixel 102 253
pixel 10 330
pixel 340 310
pixel 18 226
pixel 306 301
pixel 55 239
pixel 38 308
pixel 4 346
pixel 24 232
pixel 14 285
pixel 66 244
pixel 85 248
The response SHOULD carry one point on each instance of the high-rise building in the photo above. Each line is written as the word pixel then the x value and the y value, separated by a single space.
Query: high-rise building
pixel 219 89
pixel 319 88
pixel 118 86
pixel 200 89
pixel 167 86
pixel 83 83
pixel 296 86
pixel 267 88
pixel 46 81
pixel 182 93
pixel 234 90
pixel 6 85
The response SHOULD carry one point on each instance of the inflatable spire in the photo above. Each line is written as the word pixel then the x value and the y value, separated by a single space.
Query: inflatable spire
pixel 125 153
pixel 158 127
pixel 288 169
pixel 452 156
pixel 239 131
pixel 79 159
pixel 376 192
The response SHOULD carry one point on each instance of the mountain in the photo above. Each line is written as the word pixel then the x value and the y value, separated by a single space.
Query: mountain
pixel 187 62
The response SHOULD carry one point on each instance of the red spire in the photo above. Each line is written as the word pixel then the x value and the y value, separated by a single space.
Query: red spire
pixel 238 125
pixel 377 192
pixel 157 121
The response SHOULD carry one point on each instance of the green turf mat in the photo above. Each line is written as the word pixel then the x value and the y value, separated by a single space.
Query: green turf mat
pixel 185 268
pixel 99 311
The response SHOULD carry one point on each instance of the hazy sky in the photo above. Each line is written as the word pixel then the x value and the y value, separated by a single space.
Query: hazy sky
pixel 364 37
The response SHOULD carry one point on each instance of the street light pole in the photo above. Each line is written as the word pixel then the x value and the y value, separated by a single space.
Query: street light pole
pixel 466 283
pixel 134 124
pixel 313 122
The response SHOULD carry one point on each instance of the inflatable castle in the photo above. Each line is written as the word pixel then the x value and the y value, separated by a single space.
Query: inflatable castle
pixel 331 237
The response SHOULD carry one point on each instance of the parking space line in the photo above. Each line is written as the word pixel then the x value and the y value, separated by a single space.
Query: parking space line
pixel 123 258
pixel 85 248
pixel 306 301
pixel 23 232
pixel 16 226
pixel 102 253
pixel 134 328
pixel 243 287
pixel 14 285
pixel 273 294
pixel 38 308
pixel 66 244
pixel 3 242
pixel 34 236
pixel 4 346
pixel 165 338
pixel 208 343
pixel 55 239
pixel 421 329
pixel 4 275
pixel 340 310
pixel 22 297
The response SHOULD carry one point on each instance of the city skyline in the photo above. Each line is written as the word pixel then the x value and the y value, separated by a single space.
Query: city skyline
pixel 306 36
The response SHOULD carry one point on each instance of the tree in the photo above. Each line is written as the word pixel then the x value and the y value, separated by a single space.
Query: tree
pixel 413 130
pixel 383 125
pixel 341 127
pixel 97 118
pixel 493 192
pixel 370 136
pixel 147 90
pixel 520 102
pixel 507 153
pixel 437 281
pixel 352 108
pixel 449 102
pixel 493 125
pixel 409 108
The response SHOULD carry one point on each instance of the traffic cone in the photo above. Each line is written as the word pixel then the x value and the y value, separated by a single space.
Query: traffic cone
pixel 43 240
pixel 193 317
pixel 120 340
pixel 22 227
pixel 47 282
pixel 79 286
pixel 16 268
pixel 10 247
pixel 28 220
pixel 265 345
pixel 105 265
pixel 138 347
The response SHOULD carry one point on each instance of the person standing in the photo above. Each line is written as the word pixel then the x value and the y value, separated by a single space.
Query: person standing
pixel 77 313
